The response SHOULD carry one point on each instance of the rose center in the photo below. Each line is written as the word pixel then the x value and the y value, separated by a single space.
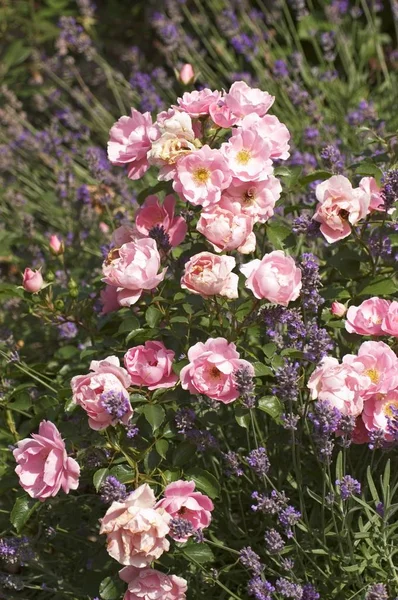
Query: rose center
pixel 201 175
pixel 215 373
pixel 112 255
pixel 373 375
pixel 243 156
pixel 344 214
pixel 249 196
pixel 388 409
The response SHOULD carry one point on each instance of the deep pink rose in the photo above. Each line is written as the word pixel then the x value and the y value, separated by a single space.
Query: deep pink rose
pixel 243 100
pixel 181 500
pixel 153 214
pixel 211 370
pixel 133 268
pixel 369 185
pixel 207 274
pixel 32 281
pixel 103 393
pixel 43 464
pixel 390 322
pixel 275 278
pixel 272 131
pixel 150 584
pixel 130 140
pixel 150 366
pixel 378 409
pixel 197 103
pixel 136 530
pixel 367 318
pixel 257 199
pixel 379 363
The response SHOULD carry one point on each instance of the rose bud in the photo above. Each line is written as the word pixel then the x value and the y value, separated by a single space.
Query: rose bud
pixel 32 281
pixel 338 309
pixel 56 246
pixel 186 74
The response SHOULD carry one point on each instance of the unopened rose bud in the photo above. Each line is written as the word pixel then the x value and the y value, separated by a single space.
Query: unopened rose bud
pixel 32 281
pixel 103 227
pixel 186 74
pixel 56 246
pixel 338 309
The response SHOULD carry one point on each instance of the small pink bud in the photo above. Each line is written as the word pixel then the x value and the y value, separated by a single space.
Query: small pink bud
pixel 338 309
pixel 56 246
pixel 187 74
pixel 103 227
pixel 32 281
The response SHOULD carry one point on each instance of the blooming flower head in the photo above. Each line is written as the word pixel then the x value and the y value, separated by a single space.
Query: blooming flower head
pixel 43 464
pixel 377 411
pixel 150 365
pixel 379 364
pixel 153 214
pixel 257 199
pixel 370 186
pixel 272 131
pixel 222 115
pixel 211 370
pixel 196 104
pixel 367 318
pixel 248 156
pixel 348 487
pixel 150 584
pixel 390 321
pixel 207 274
pixel 243 100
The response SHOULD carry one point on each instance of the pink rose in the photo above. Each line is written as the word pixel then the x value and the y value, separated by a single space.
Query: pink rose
pixel 248 156
pixel 197 103
pixel 186 74
pixel 133 268
pixel 360 435
pixel 390 320
pixel 32 281
pixel 108 299
pixel 272 131
pixel 378 409
pixel 130 140
pixel 103 393
pixel 367 318
pixel 43 464
pixel 181 500
pixel 221 115
pixel 275 278
pixel 211 370
pixel 379 363
pixel 150 366
pixel 227 228
pixel 340 385
pixel 56 246
pixel 257 199
pixel 243 100
pixel 338 309
pixel 201 176
pixel 136 530
pixel 339 207
pixel 150 584
pixel 207 274
pixel 369 185
pixel 153 214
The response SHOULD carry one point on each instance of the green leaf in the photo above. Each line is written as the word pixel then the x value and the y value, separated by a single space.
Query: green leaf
pixel 108 589
pixel 129 324
pixel 385 286
pixel 277 233
pixel 261 370
pixel 152 316
pixel 154 414
pixel 163 185
pixel 99 477
pixel 123 473
pixel 21 512
pixel 70 405
pixel 67 352
pixel 135 398
pixel 200 553
pixel 205 481
pixel 183 453
pixel 339 466
pixel 323 175
pixel 161 447
pixel 371 170
pixel 134 334
pixel 372 486
pixel 269 349
pixel 242 417
pixel 271 405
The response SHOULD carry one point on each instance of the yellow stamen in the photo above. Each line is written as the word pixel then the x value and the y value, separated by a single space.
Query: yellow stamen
pixel 373 375
pixel 201 175
pixel 243 156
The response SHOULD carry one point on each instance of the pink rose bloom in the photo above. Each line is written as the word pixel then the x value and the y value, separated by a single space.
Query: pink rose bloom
pixel 150 584
pixel 103 393
pixel 338 309
pixel 390 320
pixel 369 185
pixel 227 228
pixel 272 131
pixel 248 156
pixel 207 274
pixel 136 530
pixel 32 281
pixel 197 103
pixel 340 385
pixel 275 278
pixel 378 409
pixel 153 214
pixel 123 235
pixel 43 464
pixel 150 366
pixel 221 115
pixel 360 435
pixel 108 299
pixel 379 363
pixel 211 370
pixel 340 206
pixel 130 140
pixel 133 269
pixel 201 176
pixel 181 500
pixel 367 318
pixel 176 139
pixel 257 199
pixel 243 100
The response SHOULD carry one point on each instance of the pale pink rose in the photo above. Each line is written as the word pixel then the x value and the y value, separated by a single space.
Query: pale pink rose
pixel 181 500
pixel 108 299
pixel 276 278
pixel 340 385
pixel 379 363
pixel 360 435
pixel 197 103
pixel 378 409
pixel 176 139
pixel 150 584
pixel 369 185
pixel 339 207
pixel 103 394
pixel 207 274
pixel 367 318
pixel 271 130
pixel 243 100
pixel 338 309
pixel 153 214
pixel 390 321
pixel 136 530
pixel 133 268
pixel 201 176
pixel 248 156
pixel 151 365
pixel 32 281
pixel 227 228
pixel 221 115
pixel 186 74
pixel 130 140
pixel 56 245
pixel 211 370
pixel 103 227
pixel 43 464
pixel 257 199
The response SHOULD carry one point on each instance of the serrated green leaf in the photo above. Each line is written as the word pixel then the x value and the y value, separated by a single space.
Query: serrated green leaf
pixel 21 512
pixel 277 233
pixel 153 316
pixel 204 481
pixel 161 447
pixel 108 589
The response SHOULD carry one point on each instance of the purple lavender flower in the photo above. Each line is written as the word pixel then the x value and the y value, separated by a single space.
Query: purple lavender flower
pixel 348 487
pixel 245 386
pixel 270 505
pixel 185 419
pixel 288 518
pixel 72 38
pixel 311 135
pixel 290 421
pixel 311 282
pixel 380 509
pixel 280 69
pixel 287 589
pixel 307 226
pixel 346 428
pixel 287 376
pixel 299 8
pixel 258 461
pixel 112 490
pixel 328 45
pixel 11 582
pixel 161 237
pixel 287 564
pixel 309 592
pixel 389 190
pixel 181 528
pixel 245 45
pixel 260 588
pixel 325 419
pixel 233 464
pixel 250 560
pixel 377 591
pixel 115 403
pixel 376 439
pixel 333 158
pixel 273 541
pixel 67 331
pixel 319 343
pixel 15 551
pixel 131 431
